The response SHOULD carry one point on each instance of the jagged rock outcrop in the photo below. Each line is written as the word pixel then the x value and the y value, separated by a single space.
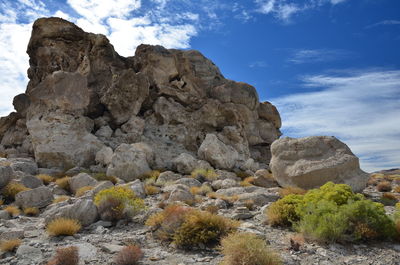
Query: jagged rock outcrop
pixel 310 162
pixel 82 97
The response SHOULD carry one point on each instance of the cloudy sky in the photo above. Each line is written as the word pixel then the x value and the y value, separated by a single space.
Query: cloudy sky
pixel 331 66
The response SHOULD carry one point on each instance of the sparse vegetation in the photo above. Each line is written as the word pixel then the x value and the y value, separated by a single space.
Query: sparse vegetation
pixel 291 190
pixel 12 210
pixel 65 256
pixel 10 245
pixel 61 198
pixel 204 174
pixel 81 191
pixel 12 189
pixel 249 181
pixel 63 227
pixel 188 227
pixel 384 186
pixel 117 203
pixel 129 255
pixel 151 189
pixel 31 211
pixel 63 183
pixel 202 190
pixel 247 249
pixel 46 178
pixel 389 199
pixel 332 213
pixel 104 177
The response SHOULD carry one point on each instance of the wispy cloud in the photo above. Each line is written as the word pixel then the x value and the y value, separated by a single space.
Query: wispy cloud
pixel 258 64
pixel 361 108
pixel 284 10
pixel 301 56
pixel 384 22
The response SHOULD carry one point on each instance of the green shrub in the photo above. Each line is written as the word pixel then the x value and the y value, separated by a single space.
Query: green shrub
pixel 283 211
pixel 117 202
pixel 247 249
pixel 332 213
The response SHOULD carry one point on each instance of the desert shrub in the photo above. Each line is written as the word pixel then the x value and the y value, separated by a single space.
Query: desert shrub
pixel 63 227
pixel 204 174
pixel 151 189
pixel 81 191
pixel 10 245
pixel 65 256
pixel 116 203
pixel 291 190
pixel 63 183
pixel 12 189
pixel 332 213
pixel 12 210
pixel 384 186
pixel 283 211
pixel 247 249
pixel 247 182
pixel 61 198
pixel 165 223
pixel 200 227
pixel 46 178
pixel 202 190
pixel 129 255
pixel 31 211
pixel 104 177
pixel 249 204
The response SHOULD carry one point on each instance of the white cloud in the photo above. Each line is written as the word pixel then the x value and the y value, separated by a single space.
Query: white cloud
pixel 361 108
pixel 384 22
pixel 284 10
pixel 301 56
pixel 258 64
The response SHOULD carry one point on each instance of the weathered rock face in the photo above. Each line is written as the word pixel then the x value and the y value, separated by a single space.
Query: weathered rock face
pixel 82 96
pixel 312 161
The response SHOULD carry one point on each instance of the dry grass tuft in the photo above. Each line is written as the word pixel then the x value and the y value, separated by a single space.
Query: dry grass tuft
pixel 397 189
pixel 129 255
pixel 61 199
pixel 63 183
pixel 291 190
pixel 204 174
pixel 384 186
pixel 151 189
pixel 46 179
pixel 65 256
pixel 249 181
pixel 203 190
pixel 104 177
pixel 10 245
pixel 296 241
pixel 81 191
pixel 63 227
pixel 12 189
pixel 12 210
pixel 247 249
pixel 31 211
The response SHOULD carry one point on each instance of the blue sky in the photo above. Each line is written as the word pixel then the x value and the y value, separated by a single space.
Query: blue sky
pixel 332 67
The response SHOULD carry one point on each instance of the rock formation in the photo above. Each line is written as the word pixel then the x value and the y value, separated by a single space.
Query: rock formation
pixel 83 97
pixel 312 161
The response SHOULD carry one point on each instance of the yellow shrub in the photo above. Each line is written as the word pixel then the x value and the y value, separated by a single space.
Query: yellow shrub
pixel 81 191
pixel 10 245
pixel 12 189
pixel 116 202
pixel 63 183
pixel 61 199
pixel 247 249
pixel 45 178
pixel 31 211
pixel 12 210
pixel 63 226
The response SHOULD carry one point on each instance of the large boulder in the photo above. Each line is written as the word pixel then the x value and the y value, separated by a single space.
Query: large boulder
pixel 6 173
pixel 81 180
pixel 39 197
pixel 217 153
pixel 312 161
pixel 129 162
